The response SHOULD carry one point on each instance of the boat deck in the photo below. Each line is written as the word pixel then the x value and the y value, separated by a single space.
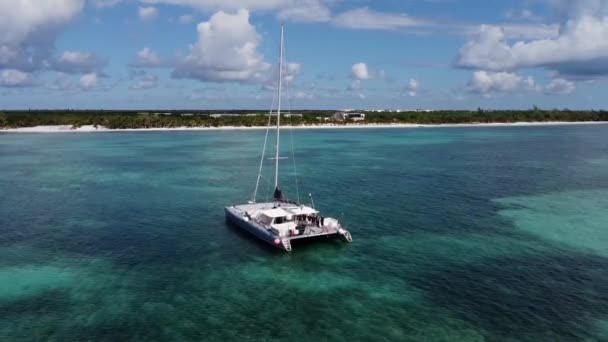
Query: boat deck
pixel 314 232
pixel 307 230
pixel 310 230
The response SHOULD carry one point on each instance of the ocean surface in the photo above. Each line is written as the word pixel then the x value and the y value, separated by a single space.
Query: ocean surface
pixel 460 234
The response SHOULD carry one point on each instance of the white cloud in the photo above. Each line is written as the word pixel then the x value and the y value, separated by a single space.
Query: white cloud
pixel 529 31
pixel 294 10
pixel 364 18
pixel 360 72
pixel 185 19
pixel 88 81
pixel 21 18
pixel 291 71
pixel 62 82
pixel 579 8
pixel 15 78
pixel 412 87
pixel 147 13
pixel 77 62
pixel 485 82
pixel 488 82
pixel 302 95
pixel 530 84
pixel 147 57
pixel 305 11
pixel 217 5
pixel 355 85
pixel 28 29
pixel 580 49
pixel 525 14
pixel 560 86
pixel 146 82
pixel 529 15
pixel 226 50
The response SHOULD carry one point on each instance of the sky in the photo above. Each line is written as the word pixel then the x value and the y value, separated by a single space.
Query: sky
pixel 360 54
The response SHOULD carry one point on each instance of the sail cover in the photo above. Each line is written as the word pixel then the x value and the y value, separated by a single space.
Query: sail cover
pixel 278 194
pixel 302 211
pixel 274 213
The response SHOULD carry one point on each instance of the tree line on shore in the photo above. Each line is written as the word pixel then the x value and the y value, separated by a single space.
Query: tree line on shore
pixel 127 119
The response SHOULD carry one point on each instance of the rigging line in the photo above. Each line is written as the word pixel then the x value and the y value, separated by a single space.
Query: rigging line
pixel 289 102
pixel 278 149
pixel 266 180
pixel 293 158
pixel 268 191
pixel 257 183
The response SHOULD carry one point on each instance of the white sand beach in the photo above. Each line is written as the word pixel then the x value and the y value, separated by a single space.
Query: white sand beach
pixel 90 128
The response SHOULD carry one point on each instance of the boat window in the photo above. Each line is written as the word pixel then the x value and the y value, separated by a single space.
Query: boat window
pixel 265 220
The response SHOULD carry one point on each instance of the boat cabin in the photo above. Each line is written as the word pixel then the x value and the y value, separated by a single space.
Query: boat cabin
pixel 280 221
pixel 288 221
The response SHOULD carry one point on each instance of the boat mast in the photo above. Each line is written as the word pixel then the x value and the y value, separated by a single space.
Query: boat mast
pixel 276 172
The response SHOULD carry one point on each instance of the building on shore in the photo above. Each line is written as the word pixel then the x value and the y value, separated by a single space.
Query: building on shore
pixel 232 115
pixel 346 116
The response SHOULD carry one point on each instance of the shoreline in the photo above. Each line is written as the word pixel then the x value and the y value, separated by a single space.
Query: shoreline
pixel 92 129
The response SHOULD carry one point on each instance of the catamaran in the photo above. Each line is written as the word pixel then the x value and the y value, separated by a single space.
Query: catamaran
pixel 281 221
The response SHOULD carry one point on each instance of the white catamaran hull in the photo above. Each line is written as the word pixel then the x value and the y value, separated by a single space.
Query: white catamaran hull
pixel 240 217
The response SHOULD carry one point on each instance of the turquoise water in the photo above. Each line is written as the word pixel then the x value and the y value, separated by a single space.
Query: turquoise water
pixel 461 234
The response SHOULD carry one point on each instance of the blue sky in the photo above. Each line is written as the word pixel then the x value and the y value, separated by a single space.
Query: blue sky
pixel 131 54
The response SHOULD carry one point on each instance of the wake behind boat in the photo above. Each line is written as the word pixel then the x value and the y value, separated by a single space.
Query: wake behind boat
pixel 281 221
